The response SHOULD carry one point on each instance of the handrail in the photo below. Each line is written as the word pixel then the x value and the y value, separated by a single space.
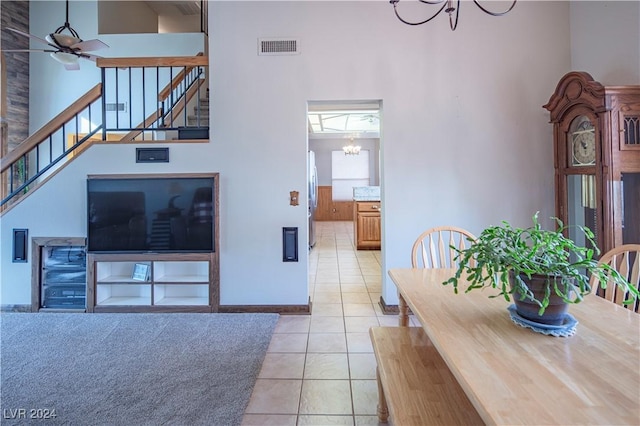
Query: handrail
pixel 164 93
pixel 53 125
pixel 169 61
pixel 182 103
pixel 25 186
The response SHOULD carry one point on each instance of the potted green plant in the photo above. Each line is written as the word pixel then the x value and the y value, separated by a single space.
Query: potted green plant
pixel 542 270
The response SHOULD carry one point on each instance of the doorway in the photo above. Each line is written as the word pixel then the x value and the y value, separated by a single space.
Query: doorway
pixel 344 142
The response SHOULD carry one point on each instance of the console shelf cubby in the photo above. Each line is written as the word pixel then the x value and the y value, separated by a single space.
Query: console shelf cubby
pixel 181 282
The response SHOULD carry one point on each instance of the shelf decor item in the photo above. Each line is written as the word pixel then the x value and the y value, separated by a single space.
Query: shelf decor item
pixel 140 272
pixel 542 270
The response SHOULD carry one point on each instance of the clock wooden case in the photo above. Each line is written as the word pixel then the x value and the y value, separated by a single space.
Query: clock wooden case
pixel 596 133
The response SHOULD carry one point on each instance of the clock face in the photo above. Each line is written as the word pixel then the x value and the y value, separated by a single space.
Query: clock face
pixel 583 143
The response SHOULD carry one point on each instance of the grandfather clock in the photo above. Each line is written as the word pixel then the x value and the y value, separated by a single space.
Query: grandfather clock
pixel 596 134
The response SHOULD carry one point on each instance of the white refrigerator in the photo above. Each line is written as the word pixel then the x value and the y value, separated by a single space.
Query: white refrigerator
pixel 312 176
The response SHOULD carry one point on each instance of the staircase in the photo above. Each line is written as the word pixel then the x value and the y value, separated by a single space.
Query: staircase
pixel 200 117
pixel 50 148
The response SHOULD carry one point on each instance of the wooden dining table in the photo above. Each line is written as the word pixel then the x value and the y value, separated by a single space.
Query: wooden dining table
pixel 513 375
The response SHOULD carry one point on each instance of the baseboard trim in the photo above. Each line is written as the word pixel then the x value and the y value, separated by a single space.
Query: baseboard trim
pixel 388 309
pixel 272 309
pixel 277 309
pixel 15 308
pixel 112 309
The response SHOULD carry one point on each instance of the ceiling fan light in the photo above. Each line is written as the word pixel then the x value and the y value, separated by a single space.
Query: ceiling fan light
pixel 62 40
pixel 64 58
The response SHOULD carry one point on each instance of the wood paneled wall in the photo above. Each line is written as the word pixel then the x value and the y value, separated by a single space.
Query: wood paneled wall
pixel 15 14
pixel 332 210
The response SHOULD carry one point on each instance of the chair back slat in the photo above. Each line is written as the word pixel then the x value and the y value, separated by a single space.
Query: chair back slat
pixel 441 250
pixel 626 260
pixel 433 248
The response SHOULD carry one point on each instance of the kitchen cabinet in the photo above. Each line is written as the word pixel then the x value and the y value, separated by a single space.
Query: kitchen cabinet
pixel 367 225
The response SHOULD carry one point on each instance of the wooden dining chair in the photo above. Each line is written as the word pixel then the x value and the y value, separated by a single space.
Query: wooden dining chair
pixel 432 249
pixel 626 260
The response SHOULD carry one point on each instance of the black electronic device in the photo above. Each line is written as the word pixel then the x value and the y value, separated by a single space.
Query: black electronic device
pixel 150 214
pixel 290 244
pixel 20 245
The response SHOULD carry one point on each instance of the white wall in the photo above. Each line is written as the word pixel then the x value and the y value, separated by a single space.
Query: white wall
pixel 465 139
pixel 605 40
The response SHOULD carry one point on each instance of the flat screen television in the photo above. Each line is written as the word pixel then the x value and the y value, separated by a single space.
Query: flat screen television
pixel 150 214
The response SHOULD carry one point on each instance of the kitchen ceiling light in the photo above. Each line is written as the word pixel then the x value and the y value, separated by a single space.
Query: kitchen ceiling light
pixel 448 6
pixel 351 149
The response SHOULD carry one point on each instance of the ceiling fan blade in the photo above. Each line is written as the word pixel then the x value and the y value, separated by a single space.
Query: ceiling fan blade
pixel 88 56
pixel 30 50
pixel 89 45
pixel 72 67
pixel 41 40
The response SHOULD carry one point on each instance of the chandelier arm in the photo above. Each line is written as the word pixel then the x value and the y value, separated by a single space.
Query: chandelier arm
pixel 454 24
pixel 488 12
pixel 431 2
pixel 395 10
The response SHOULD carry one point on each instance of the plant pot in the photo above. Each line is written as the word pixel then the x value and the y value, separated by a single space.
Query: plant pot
pixel 554 314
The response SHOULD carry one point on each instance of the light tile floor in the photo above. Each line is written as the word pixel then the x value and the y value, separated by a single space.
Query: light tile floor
pixel 320 369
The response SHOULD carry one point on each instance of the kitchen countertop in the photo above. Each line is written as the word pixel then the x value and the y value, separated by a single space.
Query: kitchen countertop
pixel 366 193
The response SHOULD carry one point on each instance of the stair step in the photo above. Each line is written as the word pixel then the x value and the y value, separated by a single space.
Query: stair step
pixel 195 123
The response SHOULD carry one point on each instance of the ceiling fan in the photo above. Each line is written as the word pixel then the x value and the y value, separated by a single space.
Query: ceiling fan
pixel 65 48
pixel 370 117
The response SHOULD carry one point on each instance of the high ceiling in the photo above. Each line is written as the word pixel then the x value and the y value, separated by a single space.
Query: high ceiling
pixel 160 16
pixel 173 8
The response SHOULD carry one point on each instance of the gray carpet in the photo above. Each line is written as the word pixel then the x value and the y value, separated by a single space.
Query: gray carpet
pixel 131 369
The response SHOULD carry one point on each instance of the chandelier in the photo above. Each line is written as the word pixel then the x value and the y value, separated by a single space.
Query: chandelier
pixel 351 149
pixel 448 6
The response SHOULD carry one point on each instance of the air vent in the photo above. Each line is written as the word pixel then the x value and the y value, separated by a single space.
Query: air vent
pixel 112 106
pixel 278 46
